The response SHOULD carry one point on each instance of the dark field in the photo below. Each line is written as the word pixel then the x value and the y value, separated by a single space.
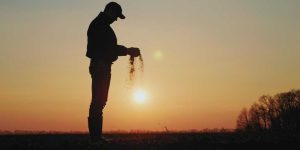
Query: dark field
pixel 153 141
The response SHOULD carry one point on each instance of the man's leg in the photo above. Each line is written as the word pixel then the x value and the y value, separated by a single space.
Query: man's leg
pixel 100 85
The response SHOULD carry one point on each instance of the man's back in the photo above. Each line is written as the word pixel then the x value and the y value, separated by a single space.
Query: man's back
pixel 102 40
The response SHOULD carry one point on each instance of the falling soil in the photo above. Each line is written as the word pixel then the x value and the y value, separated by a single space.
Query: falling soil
pixel 132 68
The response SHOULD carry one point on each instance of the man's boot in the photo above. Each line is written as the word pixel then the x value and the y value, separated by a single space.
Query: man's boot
pixel 95 128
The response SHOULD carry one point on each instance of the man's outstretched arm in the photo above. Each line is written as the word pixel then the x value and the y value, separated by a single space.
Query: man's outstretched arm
pixel 123 51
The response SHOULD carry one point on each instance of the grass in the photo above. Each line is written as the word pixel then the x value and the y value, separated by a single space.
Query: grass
pixel 153 141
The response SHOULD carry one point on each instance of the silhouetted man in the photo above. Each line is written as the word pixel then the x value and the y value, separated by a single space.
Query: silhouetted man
pixel 103 50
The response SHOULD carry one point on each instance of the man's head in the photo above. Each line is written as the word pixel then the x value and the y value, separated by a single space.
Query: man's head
pixel 113 10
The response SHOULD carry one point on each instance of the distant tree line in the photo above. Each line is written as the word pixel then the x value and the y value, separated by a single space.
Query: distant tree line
pixel 280 112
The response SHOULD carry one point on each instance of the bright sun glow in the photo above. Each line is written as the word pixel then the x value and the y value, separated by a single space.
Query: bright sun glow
pixel 140 96
pixel 158 55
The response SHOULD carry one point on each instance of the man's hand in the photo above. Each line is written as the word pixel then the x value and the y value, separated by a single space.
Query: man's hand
pixel 133 51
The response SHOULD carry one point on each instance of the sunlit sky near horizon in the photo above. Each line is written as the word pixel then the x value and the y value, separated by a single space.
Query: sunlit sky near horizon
pixel 204 61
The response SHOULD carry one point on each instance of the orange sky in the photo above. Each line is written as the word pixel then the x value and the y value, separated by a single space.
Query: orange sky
pixel 204 61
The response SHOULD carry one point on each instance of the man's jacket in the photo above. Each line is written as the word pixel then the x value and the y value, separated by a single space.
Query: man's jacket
pixel 102 41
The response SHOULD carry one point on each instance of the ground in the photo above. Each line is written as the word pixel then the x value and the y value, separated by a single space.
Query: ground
pixel 152 141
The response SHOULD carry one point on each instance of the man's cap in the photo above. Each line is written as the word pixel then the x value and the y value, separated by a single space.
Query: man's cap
pixel 115 7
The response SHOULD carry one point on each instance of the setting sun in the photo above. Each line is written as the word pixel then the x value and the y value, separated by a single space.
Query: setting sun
pixel 140 96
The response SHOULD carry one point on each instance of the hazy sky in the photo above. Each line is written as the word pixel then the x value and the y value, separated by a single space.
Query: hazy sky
pixel 204 61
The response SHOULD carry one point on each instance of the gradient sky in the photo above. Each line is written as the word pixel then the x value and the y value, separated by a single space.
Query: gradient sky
pixel 204 61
